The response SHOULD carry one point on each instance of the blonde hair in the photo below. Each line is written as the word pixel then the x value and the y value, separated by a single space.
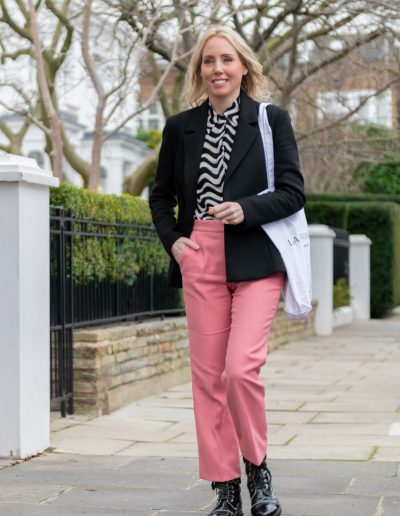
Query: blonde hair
pixel 254 83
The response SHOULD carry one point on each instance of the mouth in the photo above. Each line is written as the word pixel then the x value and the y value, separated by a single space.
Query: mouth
pixel 220 82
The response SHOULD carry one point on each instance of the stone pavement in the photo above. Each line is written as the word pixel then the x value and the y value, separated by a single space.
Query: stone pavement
pixel 334 441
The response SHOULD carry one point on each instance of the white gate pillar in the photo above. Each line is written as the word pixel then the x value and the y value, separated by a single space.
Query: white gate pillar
pixel 321 248
pixel 24 306
pixel 359 276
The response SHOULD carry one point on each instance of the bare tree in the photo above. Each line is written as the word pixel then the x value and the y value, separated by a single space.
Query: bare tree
pixel 310 49
pixel 112 110
pixel 111 68
pixel 20 43
pixel 305 47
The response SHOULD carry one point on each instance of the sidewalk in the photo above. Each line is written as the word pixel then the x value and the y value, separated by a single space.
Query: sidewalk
pixel 334 441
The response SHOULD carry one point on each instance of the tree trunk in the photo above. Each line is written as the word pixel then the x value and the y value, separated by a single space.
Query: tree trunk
pixel 137 182
pixel 97 143
pixel 54 120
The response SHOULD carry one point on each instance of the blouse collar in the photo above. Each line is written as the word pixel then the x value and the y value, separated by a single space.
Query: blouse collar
pixel 230 114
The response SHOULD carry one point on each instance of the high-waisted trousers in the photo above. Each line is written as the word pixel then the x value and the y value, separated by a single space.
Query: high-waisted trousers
pixel 228 326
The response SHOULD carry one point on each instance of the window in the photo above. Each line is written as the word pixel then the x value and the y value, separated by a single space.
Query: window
pixel 153 109
pixel 154 123
pixel 375 108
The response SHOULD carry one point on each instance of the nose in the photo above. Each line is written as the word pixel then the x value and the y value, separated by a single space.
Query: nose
pixel 218 66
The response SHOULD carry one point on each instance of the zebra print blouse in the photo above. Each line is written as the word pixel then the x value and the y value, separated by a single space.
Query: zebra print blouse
pixel 220 134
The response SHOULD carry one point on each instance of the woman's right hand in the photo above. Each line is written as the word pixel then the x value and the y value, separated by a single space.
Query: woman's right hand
pixel 179 246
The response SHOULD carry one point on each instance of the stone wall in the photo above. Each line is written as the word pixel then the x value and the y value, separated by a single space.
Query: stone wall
pixel 287 330
pixel 118 364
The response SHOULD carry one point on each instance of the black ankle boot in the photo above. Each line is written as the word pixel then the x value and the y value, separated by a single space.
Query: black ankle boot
pixel 229 501
pixel 264 501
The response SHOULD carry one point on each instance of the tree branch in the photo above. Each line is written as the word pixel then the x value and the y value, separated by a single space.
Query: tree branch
pixel 15 55
pixel 347 116
pixel 24 33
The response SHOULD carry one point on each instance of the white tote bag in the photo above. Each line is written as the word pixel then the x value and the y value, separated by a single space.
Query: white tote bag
pixel 290 236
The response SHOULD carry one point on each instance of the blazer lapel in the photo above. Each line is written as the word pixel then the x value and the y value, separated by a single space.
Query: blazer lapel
pixel 246 132
pixel 193 145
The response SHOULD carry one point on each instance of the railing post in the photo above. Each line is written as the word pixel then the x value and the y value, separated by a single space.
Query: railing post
pixel 321 247
pixel 359 277
pixel 24 306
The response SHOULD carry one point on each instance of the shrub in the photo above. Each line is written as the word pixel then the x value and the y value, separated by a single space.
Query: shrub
pixel 381 178
pixel 381 174
pixel 97 258
pixel 341 293
pixel 151 138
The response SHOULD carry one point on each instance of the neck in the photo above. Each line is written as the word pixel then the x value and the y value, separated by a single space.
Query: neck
pixel 221 104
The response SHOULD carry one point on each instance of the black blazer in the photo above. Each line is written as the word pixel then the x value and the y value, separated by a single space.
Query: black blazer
pixel 249 253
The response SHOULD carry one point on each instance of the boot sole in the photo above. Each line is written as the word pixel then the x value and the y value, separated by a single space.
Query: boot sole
pixel 278 512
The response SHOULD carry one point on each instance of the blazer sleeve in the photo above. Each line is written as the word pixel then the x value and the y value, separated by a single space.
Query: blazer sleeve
pixel 162 200
pixel 288 196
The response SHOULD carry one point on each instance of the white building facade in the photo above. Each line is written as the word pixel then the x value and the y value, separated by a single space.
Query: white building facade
pixel 122 153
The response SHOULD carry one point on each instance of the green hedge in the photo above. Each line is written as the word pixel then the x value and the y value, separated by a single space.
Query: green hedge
pixel 97 259
pixel 383 177
pixel 380 221
pixel 356 197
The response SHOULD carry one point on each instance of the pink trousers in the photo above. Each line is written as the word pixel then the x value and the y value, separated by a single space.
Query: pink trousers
pixel 228 326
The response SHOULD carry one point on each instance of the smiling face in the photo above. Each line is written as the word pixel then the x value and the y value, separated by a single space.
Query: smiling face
pixel 221 70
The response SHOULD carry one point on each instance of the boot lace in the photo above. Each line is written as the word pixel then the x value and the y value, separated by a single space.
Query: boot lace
pixel 259 478
pixel 225 490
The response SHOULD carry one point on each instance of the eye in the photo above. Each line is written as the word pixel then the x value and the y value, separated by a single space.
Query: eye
pixel 207 61
pixel 227 59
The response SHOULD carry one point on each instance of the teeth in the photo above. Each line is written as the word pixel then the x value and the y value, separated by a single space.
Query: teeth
pixel 222 81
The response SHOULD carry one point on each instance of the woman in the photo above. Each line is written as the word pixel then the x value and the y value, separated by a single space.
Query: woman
pixel 212 164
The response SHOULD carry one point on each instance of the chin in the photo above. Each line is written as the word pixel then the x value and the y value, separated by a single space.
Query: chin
pixel 222 92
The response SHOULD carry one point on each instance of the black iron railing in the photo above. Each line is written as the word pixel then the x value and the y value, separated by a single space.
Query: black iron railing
pixel 81 301
pixel 341 247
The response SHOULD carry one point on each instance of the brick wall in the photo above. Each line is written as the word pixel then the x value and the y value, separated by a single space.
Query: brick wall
pixel 118 364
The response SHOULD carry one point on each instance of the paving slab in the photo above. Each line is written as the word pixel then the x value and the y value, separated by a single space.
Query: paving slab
pixel 121 429
pixel 387 454
pixel 327 429
pixel 75 484
pixel 352 406
pixel 390 506
pixel 341 440
pixel 321 452
pixel 64 443
pixel 357 417
pixel 44 510
pixel 330 505
pixel 173 449
pixel 289 417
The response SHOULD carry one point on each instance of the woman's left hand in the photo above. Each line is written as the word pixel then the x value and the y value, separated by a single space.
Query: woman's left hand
pixel 228 212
